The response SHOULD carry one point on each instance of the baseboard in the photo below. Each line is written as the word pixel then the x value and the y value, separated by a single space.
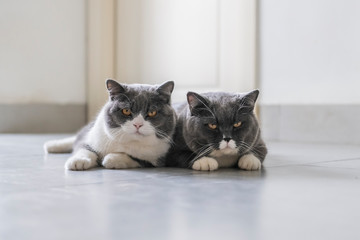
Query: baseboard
pixel 41 118
pixel 311 123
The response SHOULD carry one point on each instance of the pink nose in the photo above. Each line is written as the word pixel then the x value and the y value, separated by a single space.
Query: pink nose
pixel 138 125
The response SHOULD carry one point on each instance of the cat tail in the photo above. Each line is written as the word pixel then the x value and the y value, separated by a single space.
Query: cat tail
pixel 64 145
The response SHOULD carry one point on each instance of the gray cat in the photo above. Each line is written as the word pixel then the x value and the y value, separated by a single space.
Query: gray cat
pixel 217 130
pixel 133 129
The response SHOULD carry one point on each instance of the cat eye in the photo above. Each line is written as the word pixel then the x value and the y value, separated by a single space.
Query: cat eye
pixel 126 112
pixel 152 114
pixel 238 124
pixel 212 126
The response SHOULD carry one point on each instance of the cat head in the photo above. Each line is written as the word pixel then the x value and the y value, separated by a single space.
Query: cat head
pixel 140 110
pixel 221 122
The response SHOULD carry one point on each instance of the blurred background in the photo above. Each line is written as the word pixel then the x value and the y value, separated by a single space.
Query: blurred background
pixel 303 55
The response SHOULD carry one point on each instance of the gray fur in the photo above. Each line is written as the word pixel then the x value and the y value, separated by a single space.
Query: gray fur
pixel 141 99
pixel 193 138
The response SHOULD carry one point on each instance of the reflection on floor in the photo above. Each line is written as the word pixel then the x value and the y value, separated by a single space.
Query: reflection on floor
pixel 305 191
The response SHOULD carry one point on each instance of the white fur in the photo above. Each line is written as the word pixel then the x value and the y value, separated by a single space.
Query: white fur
pixel 64 145
pixel 249 162
pixel 83 159
pixel 142 144
pixel 119 160
pixel 205 164
pixel 224 158
pixel 224 145
pixel 145 130
pixel 227 155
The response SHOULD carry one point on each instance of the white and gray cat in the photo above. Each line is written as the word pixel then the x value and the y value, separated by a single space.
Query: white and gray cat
pixel 217 130
pixel 133 129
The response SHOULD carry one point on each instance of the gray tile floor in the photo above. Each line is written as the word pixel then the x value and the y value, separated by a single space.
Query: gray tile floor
pixel 305 191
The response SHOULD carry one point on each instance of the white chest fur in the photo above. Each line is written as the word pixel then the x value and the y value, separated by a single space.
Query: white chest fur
pixel 105 141
pixel 227 159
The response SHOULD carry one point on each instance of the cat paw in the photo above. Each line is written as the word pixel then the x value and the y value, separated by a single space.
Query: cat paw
pixel 249 162
pixel 119 161
pixel 205 164
pixel 78 163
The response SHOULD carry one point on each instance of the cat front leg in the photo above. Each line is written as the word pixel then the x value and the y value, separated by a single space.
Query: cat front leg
pixel 249 162
pixel 81 160
pixel 205 164
pixel 119 161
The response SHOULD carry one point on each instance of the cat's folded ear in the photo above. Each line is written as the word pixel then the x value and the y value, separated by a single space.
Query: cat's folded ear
pixel 165 90
pixel 114 88
pixel 248 100
pixel 196 102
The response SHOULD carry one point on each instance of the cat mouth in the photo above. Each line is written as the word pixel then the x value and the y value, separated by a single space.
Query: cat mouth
pixel 141 134
pixel 137 133
pixel 226 147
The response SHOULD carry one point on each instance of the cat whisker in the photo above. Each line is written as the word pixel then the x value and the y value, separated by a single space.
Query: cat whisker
pixel 204 150
pixel 244 145
pixel 165 136
pixel 200 155
pixel 201 152
pixel 248 148
pixel 204 146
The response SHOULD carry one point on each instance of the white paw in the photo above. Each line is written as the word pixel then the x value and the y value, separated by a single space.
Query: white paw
pixel 205 164
pixel 118 161
pixel 249 162
pixel 78 163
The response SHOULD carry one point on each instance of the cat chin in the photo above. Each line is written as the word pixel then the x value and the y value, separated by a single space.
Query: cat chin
pixel 229 151
pixel 138 136
pixel 226 157
pixel 127 135
pixel 225 151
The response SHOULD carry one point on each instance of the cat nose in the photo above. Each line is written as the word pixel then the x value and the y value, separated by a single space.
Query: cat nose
pixel 138 125
pixel 227 139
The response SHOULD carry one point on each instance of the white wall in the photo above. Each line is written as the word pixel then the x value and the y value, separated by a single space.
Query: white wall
pixel 167 33
pixel 42 51
pixel 310 51
pixel 202 45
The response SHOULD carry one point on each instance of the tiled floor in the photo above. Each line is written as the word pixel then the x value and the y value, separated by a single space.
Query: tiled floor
pixel 306 191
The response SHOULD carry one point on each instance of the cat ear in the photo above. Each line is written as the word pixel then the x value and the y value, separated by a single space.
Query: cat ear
pixel 196 101
pixel 114 87
pixel 248 100
pixel 166 87
pixel 165 90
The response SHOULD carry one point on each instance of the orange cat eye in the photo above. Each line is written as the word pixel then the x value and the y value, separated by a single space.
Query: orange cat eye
pixel 238 124
pixel 152 114
pixel 126 112
pixel 212 126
